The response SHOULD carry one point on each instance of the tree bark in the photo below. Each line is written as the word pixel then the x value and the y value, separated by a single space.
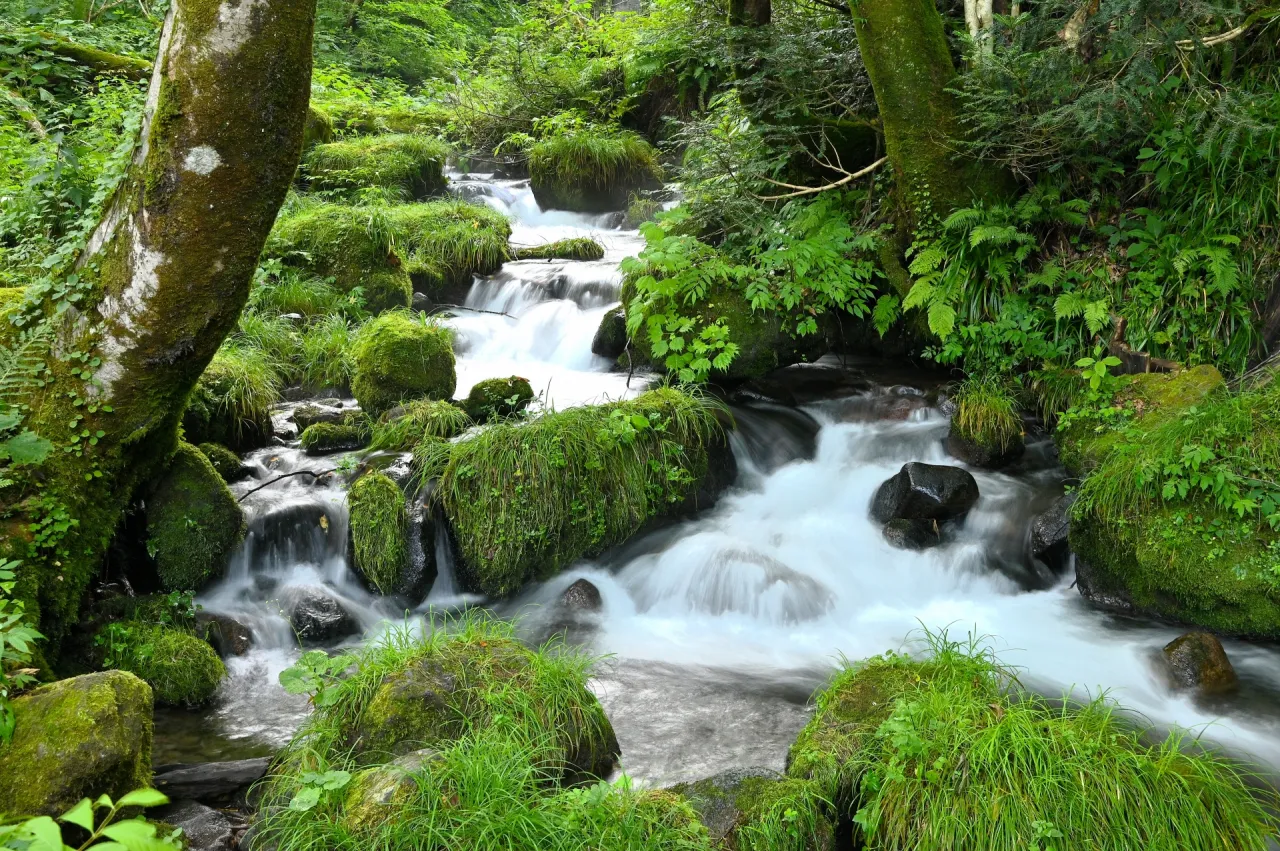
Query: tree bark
pixel 750 13
pixel 166 274
pixel 905 51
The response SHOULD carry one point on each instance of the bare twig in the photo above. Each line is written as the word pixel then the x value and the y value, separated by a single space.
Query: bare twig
pixel 479 310
pixel 286 476
pixel 802 190
pixel 1229 35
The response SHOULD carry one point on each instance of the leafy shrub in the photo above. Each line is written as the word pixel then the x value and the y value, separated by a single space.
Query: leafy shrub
pixel 17 647
pixel 108 831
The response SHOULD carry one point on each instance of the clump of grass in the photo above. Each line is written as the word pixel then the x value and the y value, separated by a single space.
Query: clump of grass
pixel 379 524
pixel 574 248
pixel 528 499
pixel 986 413
pixel 295 291
pixel 593 158
pixel 326 354
pixel 231 403
pixel 417 421
pixel 641 209
pixel 959 756
pixel 410 164
pixel 275 337
pixel 181 669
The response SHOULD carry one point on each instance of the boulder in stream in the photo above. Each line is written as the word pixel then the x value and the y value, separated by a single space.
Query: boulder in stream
pixel 379 524
pixel 398 356
pixel 203 828
pixel 582 597
pixel 610 340
pixel 226 634
pixel 1198 660
pixel 730 801
pixel 327 438
pixel 318 616
pixel 925 492
pixel 494 398
pixel 376 794
pixel 210 782
pixel 311 413
pixel 912 534
pixel 1050 530
pixel 80 737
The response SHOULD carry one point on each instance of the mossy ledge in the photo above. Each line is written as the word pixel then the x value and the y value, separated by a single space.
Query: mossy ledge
pixel 410 165
pixel 591 169
pixel 401 357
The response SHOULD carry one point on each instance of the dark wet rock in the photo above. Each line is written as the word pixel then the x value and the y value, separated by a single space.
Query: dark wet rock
pixel 982 455
pixel 317 412
pixel 203 828
pixel 911 534
pixel 610 340
pixel 722 472
pixel 728 802
pixel 801 383
pixel 210 781
pixel 316 615
pixel 1087 583
pixel 227 635
pixel 582 596
pixel 422 303
pixel 925 492
pixel 1049 532
pixel 1198 660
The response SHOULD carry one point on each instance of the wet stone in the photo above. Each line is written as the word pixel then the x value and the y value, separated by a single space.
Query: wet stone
pixel 1198 660
pixel 582 596
pixel 317 616
pixel 203 828
pixel 912 534
pixel 227 635
pixel 925 492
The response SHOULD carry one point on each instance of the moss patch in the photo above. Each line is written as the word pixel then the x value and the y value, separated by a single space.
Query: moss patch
pixel 401 357
pixel 324 438
pixel 410 165
pixel 577 248
pixel 194 523
pixel 756 810
pixel 592 170
pixel 319 127
pixel 379 525
pixel 526 500
pixel 231 403
pixel 81 737
pixel 494 398
pixel 181 669
pixel 225 462
pixel 405 426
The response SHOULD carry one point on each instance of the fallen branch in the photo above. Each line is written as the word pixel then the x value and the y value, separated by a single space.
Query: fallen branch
pixel 801 190
pixel 98 61
pixel 281 478
pixel 479 310
pixel 1229 35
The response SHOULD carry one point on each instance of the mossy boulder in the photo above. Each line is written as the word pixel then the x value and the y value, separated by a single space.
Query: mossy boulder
pixel 231 403
pixel 740 807
pixel 379 533
pixel 194 522
pixel 399 357
pixel 463 684
pixel 498 397
pixel 576 248
pixel 181 669
pixel 76 738
pixel 364 117
pixel 405 163
pixel 326 438
pixel 319 127
pixel 592 169
pixel 405 427
pixel 610 340
pixel 224 461
pixel 376 795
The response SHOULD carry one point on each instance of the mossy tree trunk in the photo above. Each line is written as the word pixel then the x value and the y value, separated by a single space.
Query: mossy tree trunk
pixel 904 48
pixel 750 13
pixel 167 272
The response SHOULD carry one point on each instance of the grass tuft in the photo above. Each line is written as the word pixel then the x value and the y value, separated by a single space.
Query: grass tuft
pixel 417 421
pixel 232 401
pixel 986 413
pixel 594 158
pixel 405 163
pixel 326 354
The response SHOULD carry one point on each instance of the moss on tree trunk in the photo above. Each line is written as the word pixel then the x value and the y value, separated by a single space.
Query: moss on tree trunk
pixel 169 267
pixel 904 48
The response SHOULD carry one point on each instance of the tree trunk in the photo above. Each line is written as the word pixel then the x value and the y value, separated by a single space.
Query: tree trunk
pixel 750 13
pixel 164 276
pixel 905 52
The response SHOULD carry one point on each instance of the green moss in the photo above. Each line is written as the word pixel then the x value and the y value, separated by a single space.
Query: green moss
pixel 325 438
pixel 400 357
pixel 494 398
pixel 379 526
pixel 11 299
pixel 181 669
pixel 528 499
pixel 194 523
pixel 224 461
pixel 231 403
pixel 754 810
pixel 405 426
pixel 592 169
pixel 319 128
pixel 81 737
pixel 411 165
pixel 576 248
pixel 365 117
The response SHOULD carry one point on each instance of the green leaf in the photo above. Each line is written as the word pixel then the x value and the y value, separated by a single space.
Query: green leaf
pixel 942 319
pixel 306 799
pixel 80 815
pixel 132 833
pixel 143 798
pixel 27 447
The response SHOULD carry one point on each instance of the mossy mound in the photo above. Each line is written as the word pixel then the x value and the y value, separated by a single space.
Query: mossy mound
pixel 194 523
pixel 494 398
pixel 319 128
pixel 408 164
pixel 954 743
pixel 181 669
pixel 225 462
pixel 326 438
pixel 986 430
pixel 527 499
pixel 400 357
pixel 379 525
pixel 760 809
pixel 231 403
pixel 11 299
pixel 390 251
pixel 592 169
pixel 362 117
pixel 610 340
pixel 577 248
pixel 77 738
pixel 405 426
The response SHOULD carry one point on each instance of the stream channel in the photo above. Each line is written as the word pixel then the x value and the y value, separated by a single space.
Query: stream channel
pixel 716 631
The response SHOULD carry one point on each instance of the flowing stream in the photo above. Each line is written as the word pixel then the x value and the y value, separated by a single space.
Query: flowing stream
pixel 718 629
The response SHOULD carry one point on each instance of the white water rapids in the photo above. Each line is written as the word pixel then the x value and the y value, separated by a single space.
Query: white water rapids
pixel 719 628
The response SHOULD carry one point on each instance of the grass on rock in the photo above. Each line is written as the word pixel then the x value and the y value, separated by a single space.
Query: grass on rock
pixel 593 159
pixel 986 413
pixel 574 248
pixel 409 164
pixel 233 398
pixel 379 526
pixel 181 669
pixel 417 421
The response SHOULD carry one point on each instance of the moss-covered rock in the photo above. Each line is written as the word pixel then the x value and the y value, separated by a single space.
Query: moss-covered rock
pixel 498 397
pixel 181 669
pixel 326 438
pixel 400 357
pixel 81 737
pixel 379 529
pixel 755 808
pixel 986 430
pixel 641 209
pixel 404 427
pixel 610 340
pixel 319 128
pixel 408 164
pixel 224 461
pixel 231 403
pixel 194 523
pixel 363 117
pixel 592 169
pixel 576 248
pixel 376 795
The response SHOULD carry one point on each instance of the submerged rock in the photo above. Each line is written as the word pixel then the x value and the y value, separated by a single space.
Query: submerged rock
pixel 1050 530
pixel 1198 660
pixel 912 534
pixel 226 634
pixel 610 340
pixel 582 596
pixel 317 412
pixel 984 456
pixel 317 616
pixel 76 738
pixel 203 828
pixel 730 801
pixel 925 492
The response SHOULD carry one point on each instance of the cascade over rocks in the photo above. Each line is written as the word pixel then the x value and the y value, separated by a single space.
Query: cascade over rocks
pixel 1198 660
pixel 318 616
pixel 80 737
pixel 925 492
